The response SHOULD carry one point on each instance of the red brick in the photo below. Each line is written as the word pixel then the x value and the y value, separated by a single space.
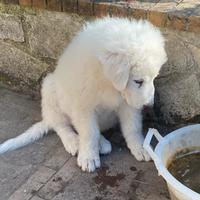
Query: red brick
pixel 11 1
pixel 118 10
pixel 157 18
pixel 70 5
pixel 54 5
pixel 101 9
pixel 25 2
pixel 85 7
pixel 138 13
pixel 177 22
pixel 39 3
pixel 194 24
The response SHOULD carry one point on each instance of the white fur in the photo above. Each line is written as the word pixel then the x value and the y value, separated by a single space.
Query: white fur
pixel 94 85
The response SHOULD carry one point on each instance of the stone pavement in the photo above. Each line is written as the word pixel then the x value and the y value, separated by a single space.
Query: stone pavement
pixel 44 171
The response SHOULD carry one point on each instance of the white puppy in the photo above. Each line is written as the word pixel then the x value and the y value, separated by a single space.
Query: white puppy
pixel 105 74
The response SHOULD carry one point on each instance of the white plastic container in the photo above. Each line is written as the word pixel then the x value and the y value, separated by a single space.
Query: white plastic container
pixel 167 147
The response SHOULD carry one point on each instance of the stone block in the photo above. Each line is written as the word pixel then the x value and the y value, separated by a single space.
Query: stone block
pixel 50 32
pixel 179 99
pixel 11 28
pixel 20 65
pixel 177 87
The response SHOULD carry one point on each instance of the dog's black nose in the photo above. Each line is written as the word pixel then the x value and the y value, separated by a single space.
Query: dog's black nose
pixel 147 108
pixel 148 111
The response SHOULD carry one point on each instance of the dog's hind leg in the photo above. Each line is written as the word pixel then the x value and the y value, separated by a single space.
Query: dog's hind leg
pixel 104 145
pixel 55 118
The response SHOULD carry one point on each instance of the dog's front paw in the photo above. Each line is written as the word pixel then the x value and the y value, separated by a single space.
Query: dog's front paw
pixel 87 162
pixel 104 146
pixel 71 146
pixel 140 154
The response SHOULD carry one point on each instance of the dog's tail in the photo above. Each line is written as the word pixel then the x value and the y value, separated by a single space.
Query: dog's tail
pixel 34 133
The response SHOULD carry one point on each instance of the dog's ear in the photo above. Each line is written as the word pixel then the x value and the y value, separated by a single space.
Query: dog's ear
pixel 116 69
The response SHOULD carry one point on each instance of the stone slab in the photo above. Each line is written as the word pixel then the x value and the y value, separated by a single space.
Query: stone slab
pixel 49 33
pixel 19 64
pixel 11 28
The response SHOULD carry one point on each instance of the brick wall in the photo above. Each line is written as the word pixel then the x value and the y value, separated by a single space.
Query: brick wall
pixel 57 5
pixel 181 15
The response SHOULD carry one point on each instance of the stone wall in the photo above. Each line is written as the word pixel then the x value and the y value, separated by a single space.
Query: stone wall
pixel 32 40
pixel 178 89
pixel 30 43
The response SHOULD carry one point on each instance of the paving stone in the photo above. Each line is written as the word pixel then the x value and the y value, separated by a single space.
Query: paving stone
pixel 57 157
pixel 42 175
pixel 36 198
pixel 60 180
pixel 34 183
pixel 26 191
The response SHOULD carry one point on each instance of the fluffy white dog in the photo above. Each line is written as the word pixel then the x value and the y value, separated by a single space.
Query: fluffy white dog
pixel 105 74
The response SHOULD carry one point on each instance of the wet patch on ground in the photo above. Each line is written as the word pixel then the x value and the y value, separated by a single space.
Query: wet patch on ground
pixel 60 184
pixel 135 184
pixel 133 168
pixel 104 179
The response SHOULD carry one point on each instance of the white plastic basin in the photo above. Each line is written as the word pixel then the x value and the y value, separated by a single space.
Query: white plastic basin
pixel 167 147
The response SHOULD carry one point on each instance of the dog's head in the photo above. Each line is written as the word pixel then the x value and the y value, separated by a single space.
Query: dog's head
pixel 132 65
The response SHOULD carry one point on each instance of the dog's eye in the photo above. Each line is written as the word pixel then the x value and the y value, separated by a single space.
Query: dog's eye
pixel 139 82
